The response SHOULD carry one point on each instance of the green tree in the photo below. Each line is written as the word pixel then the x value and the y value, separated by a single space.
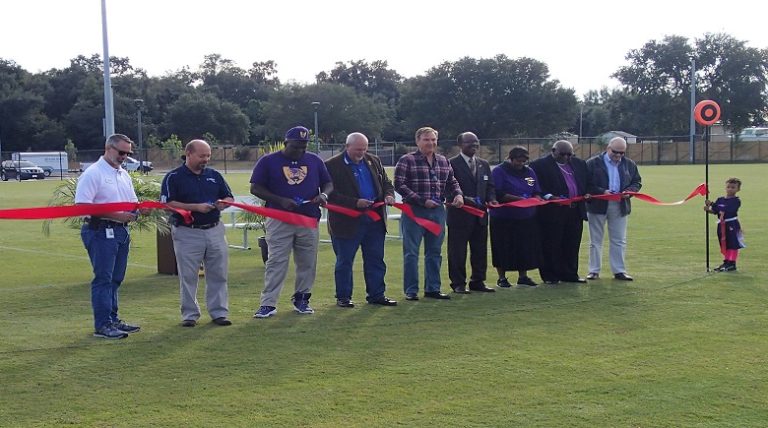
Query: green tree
pixel 340 112
pixel 194 114
pixel 494 97
pixel 23 122
pixel 656 83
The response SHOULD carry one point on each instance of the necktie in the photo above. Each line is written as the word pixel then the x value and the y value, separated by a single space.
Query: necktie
pixel 472 166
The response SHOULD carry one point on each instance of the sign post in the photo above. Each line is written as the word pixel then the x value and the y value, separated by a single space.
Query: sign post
pixel 706 113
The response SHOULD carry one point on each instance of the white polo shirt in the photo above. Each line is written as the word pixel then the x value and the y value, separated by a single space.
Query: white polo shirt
pixel 101 183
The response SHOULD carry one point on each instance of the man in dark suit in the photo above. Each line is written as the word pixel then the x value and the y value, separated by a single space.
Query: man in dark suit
pixel 474 177
pixel 561 176
pixel 360 182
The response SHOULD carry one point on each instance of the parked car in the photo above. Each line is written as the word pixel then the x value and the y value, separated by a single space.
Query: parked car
pixel 22 170
pixel 132 164
pixel 753 134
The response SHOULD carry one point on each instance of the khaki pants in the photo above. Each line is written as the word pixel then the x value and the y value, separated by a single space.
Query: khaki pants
pixel 281 239
pixel 195 246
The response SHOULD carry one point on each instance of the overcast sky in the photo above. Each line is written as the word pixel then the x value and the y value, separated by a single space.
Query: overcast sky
pixel 582 42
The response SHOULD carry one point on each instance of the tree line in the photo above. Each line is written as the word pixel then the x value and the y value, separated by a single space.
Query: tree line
pixel 497 97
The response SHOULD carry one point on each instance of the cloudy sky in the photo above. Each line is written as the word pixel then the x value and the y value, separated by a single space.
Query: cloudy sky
pixel 582 42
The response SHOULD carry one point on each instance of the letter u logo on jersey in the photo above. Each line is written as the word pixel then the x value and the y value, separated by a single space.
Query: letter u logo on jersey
pixel 294 175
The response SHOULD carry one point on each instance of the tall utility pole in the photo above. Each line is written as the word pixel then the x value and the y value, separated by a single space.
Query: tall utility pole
pixel 139 106
pixel 109 108
pixel 316 104
pixel 693 106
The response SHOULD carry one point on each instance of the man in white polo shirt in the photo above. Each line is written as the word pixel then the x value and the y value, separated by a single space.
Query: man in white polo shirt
pixel 106 237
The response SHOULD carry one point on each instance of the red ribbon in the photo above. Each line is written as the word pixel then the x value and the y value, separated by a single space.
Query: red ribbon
pixel 40 213
pixel 349 212
pixel 700 190
pixel 430 225
pixel 284 216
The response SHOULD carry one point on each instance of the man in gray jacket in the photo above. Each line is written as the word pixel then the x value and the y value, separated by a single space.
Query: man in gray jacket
pixel 610 172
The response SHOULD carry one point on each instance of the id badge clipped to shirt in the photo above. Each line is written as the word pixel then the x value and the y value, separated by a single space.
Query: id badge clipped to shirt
pixel 110 233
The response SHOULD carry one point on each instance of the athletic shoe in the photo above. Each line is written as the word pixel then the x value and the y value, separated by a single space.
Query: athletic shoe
pixel 265 312
pixel 125 328
pixel 730 267
pixel 302 307
pixel 109 332
pixel 503 283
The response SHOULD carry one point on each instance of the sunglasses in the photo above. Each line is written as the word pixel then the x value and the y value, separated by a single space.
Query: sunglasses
pixel 120 152
pixel 615 152
pixel 564 154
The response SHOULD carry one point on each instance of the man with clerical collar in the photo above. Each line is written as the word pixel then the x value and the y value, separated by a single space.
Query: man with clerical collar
pixel 561 176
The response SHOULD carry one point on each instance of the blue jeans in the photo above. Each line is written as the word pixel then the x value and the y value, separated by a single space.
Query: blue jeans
pixel 109 258
pixel 412 235
pixel 370 239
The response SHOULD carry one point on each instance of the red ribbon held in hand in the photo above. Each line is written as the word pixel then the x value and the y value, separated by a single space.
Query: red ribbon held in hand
pixel 41 213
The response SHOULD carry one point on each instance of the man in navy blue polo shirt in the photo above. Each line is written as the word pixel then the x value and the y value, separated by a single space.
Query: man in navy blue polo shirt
pixel 199 189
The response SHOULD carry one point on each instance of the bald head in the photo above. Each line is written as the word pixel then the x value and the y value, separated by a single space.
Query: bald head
pixel 198 154
pixel 193 145
pixel 357 146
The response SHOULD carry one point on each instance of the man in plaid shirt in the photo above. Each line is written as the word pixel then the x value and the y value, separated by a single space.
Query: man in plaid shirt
pixel 425 181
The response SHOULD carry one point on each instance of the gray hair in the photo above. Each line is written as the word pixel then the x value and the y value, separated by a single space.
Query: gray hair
pixel 356 136
pixel 114 139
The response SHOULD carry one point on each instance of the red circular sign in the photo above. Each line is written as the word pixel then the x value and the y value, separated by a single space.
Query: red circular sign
pixel 706 112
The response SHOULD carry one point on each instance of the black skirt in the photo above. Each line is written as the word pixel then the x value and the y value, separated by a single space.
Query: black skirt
pixel 515 244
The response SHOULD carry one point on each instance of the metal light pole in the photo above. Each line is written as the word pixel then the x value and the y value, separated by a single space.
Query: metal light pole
pixel 139 106
pixel 109 109
pixel 316 104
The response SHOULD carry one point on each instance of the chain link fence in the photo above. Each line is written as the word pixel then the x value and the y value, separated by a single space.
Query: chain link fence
pixel 654 150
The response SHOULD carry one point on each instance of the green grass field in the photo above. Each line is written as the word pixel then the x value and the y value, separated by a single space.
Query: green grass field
pixel 676 347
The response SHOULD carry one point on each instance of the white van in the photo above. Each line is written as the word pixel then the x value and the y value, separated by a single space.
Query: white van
pixel 51 162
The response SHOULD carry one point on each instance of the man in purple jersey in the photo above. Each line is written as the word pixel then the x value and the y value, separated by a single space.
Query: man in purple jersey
pixel 295 181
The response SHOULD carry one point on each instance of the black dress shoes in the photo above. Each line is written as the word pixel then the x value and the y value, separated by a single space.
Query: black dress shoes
pixel 576 280
pixel 411 296
pixel 593 275
pixel 222 321
pixel 481 288
pixel 436 295
pixel 460 290
pixel 345 303
pixel 384 301
pixel 188 323
pixel 623 277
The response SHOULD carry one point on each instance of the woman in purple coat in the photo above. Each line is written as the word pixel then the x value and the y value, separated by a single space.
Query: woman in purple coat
pixel 729 234
pixel 515 242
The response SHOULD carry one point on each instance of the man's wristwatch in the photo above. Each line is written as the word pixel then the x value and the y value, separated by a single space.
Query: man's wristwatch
pixel 324 196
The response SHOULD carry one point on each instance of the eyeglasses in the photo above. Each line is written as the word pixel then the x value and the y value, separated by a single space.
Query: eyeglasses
pixel 615 152
pixel 120 152
pixel 564 154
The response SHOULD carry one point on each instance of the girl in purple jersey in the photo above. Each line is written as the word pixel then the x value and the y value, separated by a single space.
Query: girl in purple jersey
pixel 729 232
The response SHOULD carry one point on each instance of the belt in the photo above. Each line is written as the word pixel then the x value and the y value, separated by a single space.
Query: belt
pixel 199 226
pixel 95 223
